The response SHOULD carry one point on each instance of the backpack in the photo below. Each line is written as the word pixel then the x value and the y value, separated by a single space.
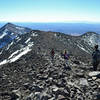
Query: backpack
pixel 65 56
pixel 52 52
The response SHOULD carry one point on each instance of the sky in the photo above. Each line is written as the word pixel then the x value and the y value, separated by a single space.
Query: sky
pixel 50 10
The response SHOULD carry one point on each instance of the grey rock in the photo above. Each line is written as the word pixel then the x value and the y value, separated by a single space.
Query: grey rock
pixel 94 74
pixel 84 82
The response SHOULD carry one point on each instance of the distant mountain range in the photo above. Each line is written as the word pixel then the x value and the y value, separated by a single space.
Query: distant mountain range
pixel 67 28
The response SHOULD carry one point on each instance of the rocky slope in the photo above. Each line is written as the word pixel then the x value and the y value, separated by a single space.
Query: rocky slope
pixel 36 77
pixel 28 73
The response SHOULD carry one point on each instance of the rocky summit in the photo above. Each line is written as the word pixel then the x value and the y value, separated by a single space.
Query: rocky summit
pixel 27 71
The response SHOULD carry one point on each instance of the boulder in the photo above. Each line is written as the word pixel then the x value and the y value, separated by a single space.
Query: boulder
pixel 94 74
pixel 84 82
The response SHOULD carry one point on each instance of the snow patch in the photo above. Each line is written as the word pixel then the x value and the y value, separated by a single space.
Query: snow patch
pixel 68 39
pixel 4 34
pixel 81 47
pixel 34 34
pixel 30 44
pixel 9 45
pixel 12 33
pixel 18 40
pixel 3 62
pixel 17 54
pixel 20 28
pixel 55 35
pixel 14 54
pixel 28 40
pixel 92 39
pixel 20 55
pixel 1 52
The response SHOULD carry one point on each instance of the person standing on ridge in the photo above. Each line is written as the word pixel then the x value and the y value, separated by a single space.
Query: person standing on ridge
pixel 66 56
pixel 52 54
pixel 96 57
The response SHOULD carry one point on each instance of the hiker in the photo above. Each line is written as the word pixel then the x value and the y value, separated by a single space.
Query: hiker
pixel 96 57
pixel 62 54
pixel 66 56
pixel 52 54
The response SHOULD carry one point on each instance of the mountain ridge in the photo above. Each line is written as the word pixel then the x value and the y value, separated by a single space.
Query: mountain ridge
pixel 28 72
pixel 49 40
pixel 9 32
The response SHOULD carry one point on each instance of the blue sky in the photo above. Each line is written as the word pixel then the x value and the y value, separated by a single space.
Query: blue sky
pixel 50 10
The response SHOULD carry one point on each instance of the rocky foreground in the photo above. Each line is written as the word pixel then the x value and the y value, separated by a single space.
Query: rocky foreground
pixel 49 80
